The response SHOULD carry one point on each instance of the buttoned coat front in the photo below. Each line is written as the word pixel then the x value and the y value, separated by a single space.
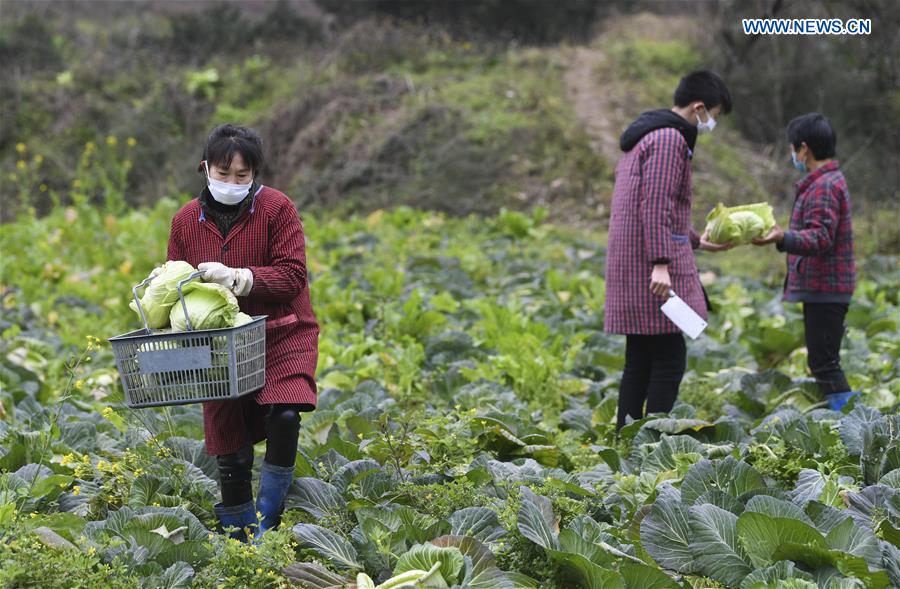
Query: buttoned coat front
pixel 268 239
pixel 650 220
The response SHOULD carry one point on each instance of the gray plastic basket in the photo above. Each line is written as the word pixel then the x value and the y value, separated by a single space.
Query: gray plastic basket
pixel 192 366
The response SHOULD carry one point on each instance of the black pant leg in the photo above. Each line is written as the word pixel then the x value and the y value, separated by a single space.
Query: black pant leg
pixel 235 474
pixel 282 432
pixel 824 330
pixel 669 363
pixel 635 378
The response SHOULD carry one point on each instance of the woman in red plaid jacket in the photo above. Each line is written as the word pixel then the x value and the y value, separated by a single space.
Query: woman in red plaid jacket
pixel 651 243
pixel 249 238
pixel 819 245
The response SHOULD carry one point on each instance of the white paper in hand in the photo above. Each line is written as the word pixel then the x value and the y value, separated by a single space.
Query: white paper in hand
pixel 683 316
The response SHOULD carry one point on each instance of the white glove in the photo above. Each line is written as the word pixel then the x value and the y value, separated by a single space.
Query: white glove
pixel 238 280
pixel 243 282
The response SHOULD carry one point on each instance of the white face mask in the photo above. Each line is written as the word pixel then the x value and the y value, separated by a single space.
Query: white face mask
pixel 708 126
pixel 226 193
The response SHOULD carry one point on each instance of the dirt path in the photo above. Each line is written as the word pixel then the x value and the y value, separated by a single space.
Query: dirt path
pixel 597 90
pixel 592 103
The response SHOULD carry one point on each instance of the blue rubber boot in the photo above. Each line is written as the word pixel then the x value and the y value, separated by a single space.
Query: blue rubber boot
pixel 836 401
pixel 241 516
pixel 274 482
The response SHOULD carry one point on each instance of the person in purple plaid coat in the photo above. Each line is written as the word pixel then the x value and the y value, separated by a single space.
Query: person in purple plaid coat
pixel 819 245
pixel 651 242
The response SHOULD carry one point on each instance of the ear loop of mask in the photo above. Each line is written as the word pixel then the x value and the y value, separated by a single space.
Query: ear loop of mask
pixel 709 125
pixel 800 166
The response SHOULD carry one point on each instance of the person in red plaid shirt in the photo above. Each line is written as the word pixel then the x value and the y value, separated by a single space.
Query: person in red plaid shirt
pixel 651 242
pixel 249 238
pixel 821 272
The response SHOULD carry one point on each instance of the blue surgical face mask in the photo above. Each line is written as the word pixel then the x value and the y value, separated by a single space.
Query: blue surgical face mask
pixel 797 163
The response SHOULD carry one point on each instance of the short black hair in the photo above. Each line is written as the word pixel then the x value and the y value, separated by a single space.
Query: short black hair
pixel 703 85
pixel 226 140
pixel 816 131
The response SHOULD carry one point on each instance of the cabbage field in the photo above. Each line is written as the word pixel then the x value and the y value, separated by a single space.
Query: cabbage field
pixel 465 426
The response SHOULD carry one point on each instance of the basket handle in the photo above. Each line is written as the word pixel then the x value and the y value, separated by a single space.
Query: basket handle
pixel 187 320
pixel 137 300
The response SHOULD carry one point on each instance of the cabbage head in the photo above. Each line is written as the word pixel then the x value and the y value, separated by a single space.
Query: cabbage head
pixel 209 306
pixel 739 225
pixel 162 293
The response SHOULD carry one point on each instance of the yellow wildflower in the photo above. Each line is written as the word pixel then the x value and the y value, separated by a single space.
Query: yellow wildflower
pixel 42 188
pixel 131 142
pixel 38 158
pixel 21 164
pixel 20 147
pixel 76 490
pixel 111 140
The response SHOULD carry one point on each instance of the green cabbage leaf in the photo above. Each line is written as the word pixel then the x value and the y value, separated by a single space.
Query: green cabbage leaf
pixel 162 293
pixel 209 306
pixel 739 225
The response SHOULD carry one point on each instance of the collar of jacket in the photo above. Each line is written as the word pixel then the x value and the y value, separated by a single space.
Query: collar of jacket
pixel 658 119
pixel 200 199
pixel 805 182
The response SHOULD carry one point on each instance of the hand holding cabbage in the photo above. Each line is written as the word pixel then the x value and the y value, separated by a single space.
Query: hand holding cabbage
pixel 209 305
pixel 739 225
